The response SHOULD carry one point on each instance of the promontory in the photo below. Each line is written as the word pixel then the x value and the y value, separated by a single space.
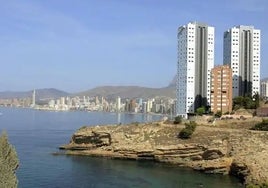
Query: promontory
pixel 227 147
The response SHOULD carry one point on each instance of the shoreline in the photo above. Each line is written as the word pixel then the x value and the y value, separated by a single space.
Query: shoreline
pixel 77 110
pixel 238 152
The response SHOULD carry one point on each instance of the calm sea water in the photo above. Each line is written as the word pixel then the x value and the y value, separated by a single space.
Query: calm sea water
pixel 37 134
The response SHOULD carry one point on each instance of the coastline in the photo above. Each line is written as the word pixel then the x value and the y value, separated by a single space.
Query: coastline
pixel 238 152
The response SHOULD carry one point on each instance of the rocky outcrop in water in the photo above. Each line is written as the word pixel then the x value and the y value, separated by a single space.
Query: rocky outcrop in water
pixel 239 152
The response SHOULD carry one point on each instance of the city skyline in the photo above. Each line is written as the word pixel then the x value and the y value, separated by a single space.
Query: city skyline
pixel 75 47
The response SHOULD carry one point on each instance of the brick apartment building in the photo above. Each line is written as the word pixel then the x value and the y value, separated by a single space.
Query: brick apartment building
pixel 221 89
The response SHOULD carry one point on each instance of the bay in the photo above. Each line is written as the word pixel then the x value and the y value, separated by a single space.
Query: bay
pixel 37 134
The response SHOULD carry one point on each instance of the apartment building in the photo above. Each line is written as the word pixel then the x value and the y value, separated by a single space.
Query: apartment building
pixel 195 61
pixel 264 89
pixel 221 89
pixel 242 53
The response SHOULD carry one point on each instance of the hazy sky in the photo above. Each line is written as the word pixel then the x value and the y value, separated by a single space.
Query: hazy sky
pixel 74 45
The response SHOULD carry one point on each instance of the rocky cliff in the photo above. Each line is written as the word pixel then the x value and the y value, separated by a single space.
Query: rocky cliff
pixel 239 152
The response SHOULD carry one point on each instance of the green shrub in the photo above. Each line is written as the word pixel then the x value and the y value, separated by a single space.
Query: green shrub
pixel 192 125
pixel 187 132
pixel 262 126
pixel 178 120
pixel 200 111
pixel 218 114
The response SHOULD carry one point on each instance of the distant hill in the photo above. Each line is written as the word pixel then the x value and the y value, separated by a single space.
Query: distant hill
pixel 264 79
pixel 173 82
pixel 129 92
pixel 40 94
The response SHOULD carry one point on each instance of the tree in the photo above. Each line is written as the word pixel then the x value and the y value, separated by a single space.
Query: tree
pixel 238 102
pixel 200 111
pixel 8 163
pixel 256 99
pixel 246 102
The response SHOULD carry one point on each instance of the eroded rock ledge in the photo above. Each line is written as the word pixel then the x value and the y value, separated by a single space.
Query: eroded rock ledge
pixel 239 152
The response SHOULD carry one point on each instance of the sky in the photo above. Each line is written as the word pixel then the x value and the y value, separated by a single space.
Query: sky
pixel 75 45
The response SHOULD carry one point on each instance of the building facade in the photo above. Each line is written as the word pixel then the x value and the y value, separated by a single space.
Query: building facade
pixel 195 61
pixel 264 89
pixel 242 52
pixel 221 89
pixel 33 98
pixel 118 104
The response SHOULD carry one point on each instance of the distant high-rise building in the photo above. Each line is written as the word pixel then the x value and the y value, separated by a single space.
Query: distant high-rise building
pixel 97 102
pixel 144 107
pixel 132 105
pixel 103 100
pixel 195 61
pixel 264 89
pixel 242 52
pixel 221 89
pixel 149 105
pixel 140 102
pixel 118 104
pixel 62 101
pixel 33 98
pixel 127 105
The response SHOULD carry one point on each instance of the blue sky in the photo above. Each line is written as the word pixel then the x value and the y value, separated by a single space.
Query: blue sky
pixel 77 45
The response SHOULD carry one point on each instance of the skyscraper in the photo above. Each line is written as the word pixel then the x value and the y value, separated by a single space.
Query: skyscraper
pixel 118 104
pixel 195 61
pixel 33 98
pixel 264 88
pixel 242 52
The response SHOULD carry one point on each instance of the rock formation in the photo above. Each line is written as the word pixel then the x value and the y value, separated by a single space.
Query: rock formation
pixel 239 152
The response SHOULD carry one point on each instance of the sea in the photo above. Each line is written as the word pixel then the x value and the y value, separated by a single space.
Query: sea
pixel 36 135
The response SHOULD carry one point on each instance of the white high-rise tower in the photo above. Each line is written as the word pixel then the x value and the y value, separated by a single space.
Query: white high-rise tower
pixel 241 52
pixel 195 61
pixel 118 104
pixel 33 98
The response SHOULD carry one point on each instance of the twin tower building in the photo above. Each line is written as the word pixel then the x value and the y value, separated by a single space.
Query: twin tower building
pixel 199 83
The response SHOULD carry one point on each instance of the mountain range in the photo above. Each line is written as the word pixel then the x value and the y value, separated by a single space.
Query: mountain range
pixel 106 91
pixel 110 92
pixel 46 93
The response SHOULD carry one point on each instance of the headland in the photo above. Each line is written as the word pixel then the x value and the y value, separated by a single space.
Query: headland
pixel 227 147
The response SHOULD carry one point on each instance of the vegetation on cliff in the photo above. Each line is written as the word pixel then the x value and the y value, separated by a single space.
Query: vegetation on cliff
pixel 189 129
pixel 264 185
pixel 262 126
pixel 8 163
